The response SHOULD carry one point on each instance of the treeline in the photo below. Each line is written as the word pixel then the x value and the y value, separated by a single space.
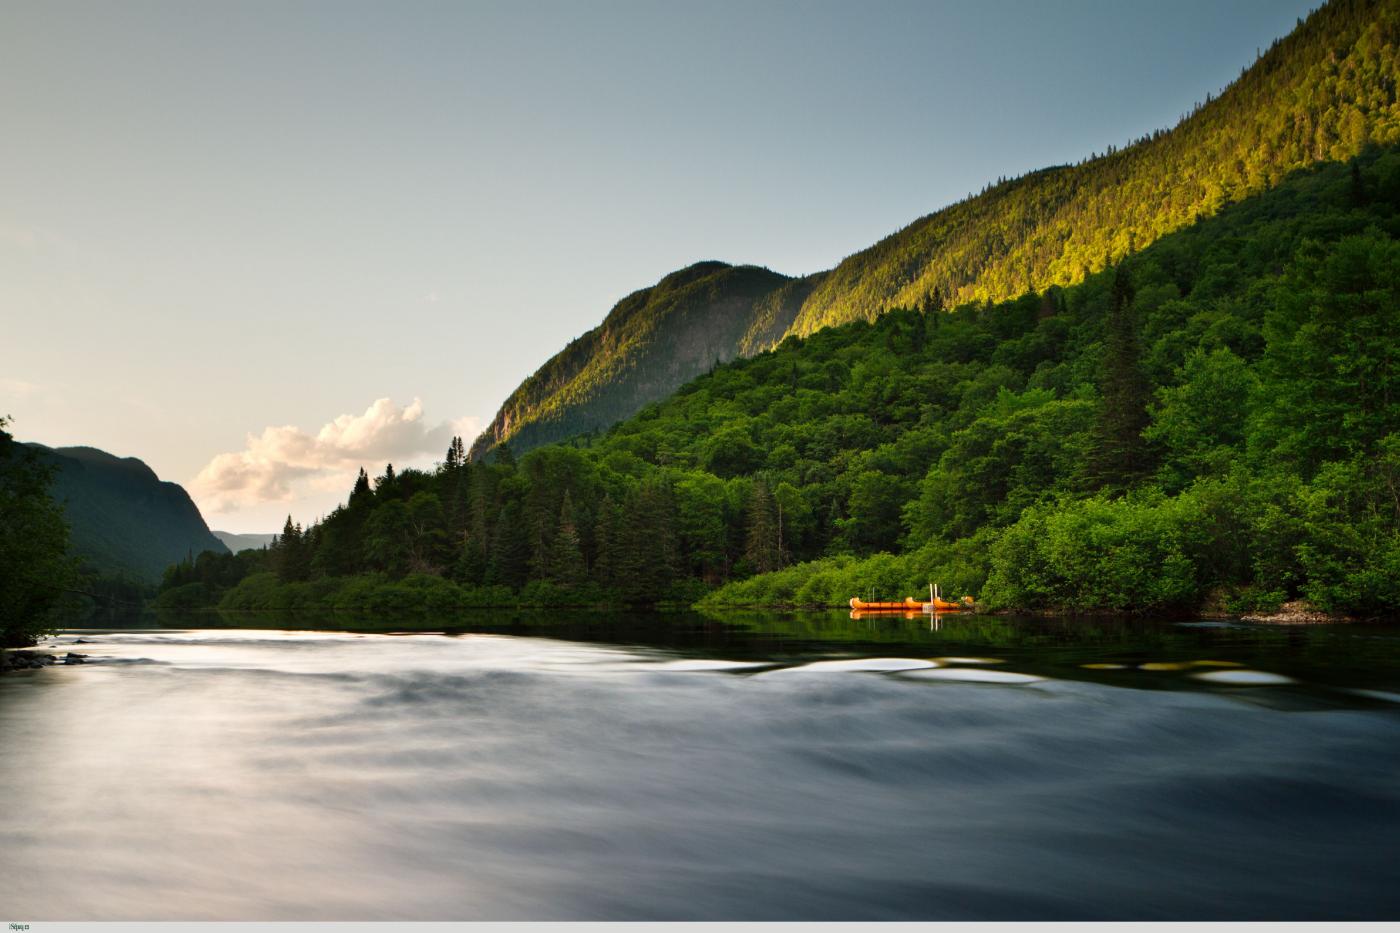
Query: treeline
pixel 1214 419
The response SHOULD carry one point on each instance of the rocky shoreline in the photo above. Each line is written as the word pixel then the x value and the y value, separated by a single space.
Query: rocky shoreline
pixel 34 660
pixel 1298 612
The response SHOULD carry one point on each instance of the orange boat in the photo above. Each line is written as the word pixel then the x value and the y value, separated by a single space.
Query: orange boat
pixel 910 604
pixel 887 614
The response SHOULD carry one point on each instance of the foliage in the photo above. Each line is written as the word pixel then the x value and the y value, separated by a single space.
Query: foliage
pixel 1213 419
pixel 1324 93
pixel 35 568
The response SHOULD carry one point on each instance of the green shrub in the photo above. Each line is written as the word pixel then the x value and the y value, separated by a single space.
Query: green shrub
pixel 190 596
pixel 1130 555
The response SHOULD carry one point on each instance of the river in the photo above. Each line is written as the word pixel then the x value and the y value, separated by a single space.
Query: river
pixel 748 767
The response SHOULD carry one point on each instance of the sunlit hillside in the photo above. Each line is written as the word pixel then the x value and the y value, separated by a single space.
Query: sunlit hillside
pixel 1323 93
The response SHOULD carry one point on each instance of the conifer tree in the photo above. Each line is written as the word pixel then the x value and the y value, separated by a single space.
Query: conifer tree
pixel 646 549
pixel 453 459
pixel 762 546
pixel 475 556
pixel 509 557
pixel 385 483
pixel 1120 454
pixel 605 532
pixel 361 493
pixel 565 564
pixel 459 504
pixel 292 562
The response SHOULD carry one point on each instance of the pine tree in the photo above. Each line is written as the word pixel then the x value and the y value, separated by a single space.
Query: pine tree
pixel 565 564
pixel 1120 454
pixel 292 560
pixel 508 563
pixel 605 532
pixel 459 503
pixel 361 492
pixel 475 557
pixel 385 483
pixel 646 549
pixel 762 546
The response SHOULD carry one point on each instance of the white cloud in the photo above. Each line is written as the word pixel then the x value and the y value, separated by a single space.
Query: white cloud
pixel 283 463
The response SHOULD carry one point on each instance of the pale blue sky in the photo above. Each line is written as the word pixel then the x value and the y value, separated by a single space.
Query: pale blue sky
pixel 220 217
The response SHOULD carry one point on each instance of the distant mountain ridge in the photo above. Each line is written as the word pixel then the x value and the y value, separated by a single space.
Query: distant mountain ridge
pixel 124 519
pixel 1323 93
pixel 244 542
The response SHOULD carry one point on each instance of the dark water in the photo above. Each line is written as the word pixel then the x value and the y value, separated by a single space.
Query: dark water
pixel 755 767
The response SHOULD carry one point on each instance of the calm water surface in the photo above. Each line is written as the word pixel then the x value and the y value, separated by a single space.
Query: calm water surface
pixel 750 767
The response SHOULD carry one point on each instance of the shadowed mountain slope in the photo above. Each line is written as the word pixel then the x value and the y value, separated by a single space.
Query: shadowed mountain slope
pixel 124 520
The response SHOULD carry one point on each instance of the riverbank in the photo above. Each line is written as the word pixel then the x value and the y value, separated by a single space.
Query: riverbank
pixel 1299 612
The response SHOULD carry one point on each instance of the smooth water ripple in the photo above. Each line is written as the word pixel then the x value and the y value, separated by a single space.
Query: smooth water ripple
pixel 317 775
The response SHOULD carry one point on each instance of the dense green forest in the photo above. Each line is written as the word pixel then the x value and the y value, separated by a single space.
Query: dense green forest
pixel 1323 93
pixel 33 544
pixel 1213 420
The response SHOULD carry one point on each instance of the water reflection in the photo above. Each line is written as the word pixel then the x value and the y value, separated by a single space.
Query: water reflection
pixel 528 766
pixel 1328 662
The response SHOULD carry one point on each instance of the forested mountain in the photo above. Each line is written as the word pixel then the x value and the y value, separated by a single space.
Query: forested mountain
pixel 651 343
pixel 124 520
pixel 1215 420
pixel 1323 93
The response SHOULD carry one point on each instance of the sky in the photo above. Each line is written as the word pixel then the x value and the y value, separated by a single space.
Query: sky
pixel 261 244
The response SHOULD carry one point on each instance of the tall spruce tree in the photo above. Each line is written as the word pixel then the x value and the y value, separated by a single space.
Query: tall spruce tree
pixel 456 454
pixel 565 564
pixel 292 557
pixel 646 550
pixel 475 557
pixel 508 563
pixel 385 483
pixel 762 546
pixel 361 493
pixel 1120 454
pixel 605 534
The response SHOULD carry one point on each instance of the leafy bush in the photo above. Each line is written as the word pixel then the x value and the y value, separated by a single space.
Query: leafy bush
pixel 1134 554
